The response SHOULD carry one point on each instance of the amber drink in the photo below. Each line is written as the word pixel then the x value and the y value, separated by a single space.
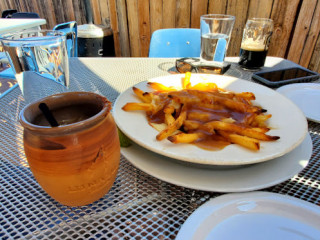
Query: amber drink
pixel 76 163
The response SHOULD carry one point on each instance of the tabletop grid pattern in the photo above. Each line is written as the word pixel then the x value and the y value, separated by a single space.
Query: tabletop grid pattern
pixel 138 206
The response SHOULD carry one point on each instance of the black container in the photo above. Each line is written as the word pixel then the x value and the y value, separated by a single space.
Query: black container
pixel 94 40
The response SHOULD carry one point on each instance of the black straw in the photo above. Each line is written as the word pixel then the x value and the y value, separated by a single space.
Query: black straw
pixel 48 115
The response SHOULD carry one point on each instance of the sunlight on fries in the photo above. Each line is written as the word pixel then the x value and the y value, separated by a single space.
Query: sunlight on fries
pixel 203 113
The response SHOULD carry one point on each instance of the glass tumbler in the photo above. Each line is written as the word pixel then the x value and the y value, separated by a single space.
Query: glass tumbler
pixel 39 60
pixel 216 31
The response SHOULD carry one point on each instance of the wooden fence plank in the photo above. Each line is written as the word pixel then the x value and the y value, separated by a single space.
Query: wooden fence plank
pixel 144 27
pixel 123 28
pixel 238 8
pixel 46 9
pixel 260 9
pixel 96 11
pixel 217 6
pixel 169 11
pixel 156 15
pixel 301 30
pixel 312 37
pixel 104 12
pixel 198 8
pixel 315 59
pixel 115 26
pixel 133 24
pixel 283 15
pixel 183 14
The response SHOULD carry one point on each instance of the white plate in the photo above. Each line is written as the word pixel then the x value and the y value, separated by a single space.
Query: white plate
pixel 306 96
pixel 287 121
pixel 255 215
pixel 232 179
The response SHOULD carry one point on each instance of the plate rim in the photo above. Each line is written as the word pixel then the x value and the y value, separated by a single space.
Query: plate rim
pixel 200 158
pixel 172 164
pixel 227 200
pixel 294 86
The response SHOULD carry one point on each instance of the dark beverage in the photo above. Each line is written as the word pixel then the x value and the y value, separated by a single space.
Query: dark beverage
pixel 252 58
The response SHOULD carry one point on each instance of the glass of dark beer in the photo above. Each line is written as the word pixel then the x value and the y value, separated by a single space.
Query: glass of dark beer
pixel 255 43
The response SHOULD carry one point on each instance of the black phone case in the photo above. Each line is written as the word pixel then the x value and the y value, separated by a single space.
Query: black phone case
pixel 265 81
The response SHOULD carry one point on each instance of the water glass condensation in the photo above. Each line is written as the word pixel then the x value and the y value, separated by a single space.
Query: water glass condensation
pixel 255 43
pixel 39 60
pixel 215 36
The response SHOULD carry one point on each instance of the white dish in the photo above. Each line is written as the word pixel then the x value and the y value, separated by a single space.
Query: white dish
pixel 306 96
pixel 287 121
pixel 231 179
pixel 254 215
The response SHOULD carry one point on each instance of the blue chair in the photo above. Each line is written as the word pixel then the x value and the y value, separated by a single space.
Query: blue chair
pixel 70 29
pixel 25 15
pixel 175 42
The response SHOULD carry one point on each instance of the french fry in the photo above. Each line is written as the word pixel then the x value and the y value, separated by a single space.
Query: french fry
pixel 200 116
pixel 244 141
pixel 229 103
pixel 144 97
pixel 168 119
pixel 160 87
pixel 138 106
pixel 209 87
pixel 185 137
pixel 174 126
pixel 186 80
pixel 244 131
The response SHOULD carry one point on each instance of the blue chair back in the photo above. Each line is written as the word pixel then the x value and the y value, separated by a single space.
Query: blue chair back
pixel 175 42
pixel 25 15
pixel 70 29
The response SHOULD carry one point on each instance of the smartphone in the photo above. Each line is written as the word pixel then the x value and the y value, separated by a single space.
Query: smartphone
pixel 277 78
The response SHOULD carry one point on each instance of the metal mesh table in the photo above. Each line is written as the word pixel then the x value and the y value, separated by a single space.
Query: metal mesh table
pixel 138 206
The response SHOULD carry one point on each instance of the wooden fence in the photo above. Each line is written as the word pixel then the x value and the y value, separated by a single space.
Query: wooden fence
pixel 296 34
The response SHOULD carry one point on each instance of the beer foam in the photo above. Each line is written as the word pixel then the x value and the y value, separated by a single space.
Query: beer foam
pixel 251 45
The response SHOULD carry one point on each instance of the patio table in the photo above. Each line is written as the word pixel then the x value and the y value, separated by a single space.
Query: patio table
pixel 138 206
pixel 15 24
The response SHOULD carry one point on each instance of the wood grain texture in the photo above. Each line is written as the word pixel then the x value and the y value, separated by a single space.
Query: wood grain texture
pixel 169 13
pixel 301 30
pixel 313 35
pixel 144 27
pixel 183 14
pixel 114 26
pixel 198 8
pixel 315 59
pixel 156 15
pixel 123 28
pixel 260 9
pixel 104 12
pixel 239 9
pixel 217 6
pixel 283 15
pixel 133 25
pixel 96 11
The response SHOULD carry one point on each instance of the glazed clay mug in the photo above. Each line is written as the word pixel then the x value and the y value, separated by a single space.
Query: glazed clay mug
pixel 76 163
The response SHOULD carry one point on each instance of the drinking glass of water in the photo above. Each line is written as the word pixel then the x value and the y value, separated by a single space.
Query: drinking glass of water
pixel 215 35
pixel 39 60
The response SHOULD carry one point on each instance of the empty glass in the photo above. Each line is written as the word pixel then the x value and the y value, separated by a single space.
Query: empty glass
pixel 39 60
